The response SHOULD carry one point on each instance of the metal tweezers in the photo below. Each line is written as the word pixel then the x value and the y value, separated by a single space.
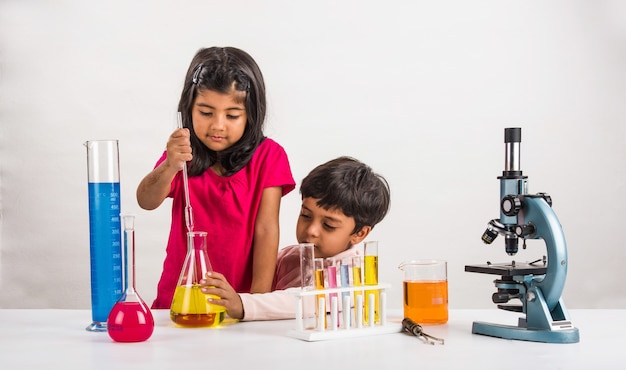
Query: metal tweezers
pixel 415 329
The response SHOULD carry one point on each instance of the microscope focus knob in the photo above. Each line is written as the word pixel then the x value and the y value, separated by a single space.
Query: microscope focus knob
pixel 523 231
pixel 546 197
pixel 511 205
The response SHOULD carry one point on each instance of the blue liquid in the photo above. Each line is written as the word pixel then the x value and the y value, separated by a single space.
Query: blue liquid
pixel 344 273
pixel 105 250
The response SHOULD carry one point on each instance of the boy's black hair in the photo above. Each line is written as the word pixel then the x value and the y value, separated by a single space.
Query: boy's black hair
pixel 348 185
pixel 221 69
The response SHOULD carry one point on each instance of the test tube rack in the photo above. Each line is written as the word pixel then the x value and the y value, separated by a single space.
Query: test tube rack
pixel 336 323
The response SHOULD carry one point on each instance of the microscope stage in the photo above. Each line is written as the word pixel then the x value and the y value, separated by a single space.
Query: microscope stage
pixel 508 269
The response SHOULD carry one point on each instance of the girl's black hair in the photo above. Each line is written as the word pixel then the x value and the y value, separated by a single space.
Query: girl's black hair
pixel 350 186
pixel 220 69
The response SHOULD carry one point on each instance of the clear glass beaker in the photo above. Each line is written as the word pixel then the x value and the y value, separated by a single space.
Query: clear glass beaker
pixel 105 247
pixel 130 319
pixel 190 307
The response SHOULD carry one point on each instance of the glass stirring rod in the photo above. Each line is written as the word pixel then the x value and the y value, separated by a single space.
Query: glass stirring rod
pixel 188 212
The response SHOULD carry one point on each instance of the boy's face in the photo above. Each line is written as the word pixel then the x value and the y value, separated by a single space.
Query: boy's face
pixel 331 231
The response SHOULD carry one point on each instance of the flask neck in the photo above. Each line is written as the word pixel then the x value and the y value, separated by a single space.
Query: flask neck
pixel 129 256
pixel 197 263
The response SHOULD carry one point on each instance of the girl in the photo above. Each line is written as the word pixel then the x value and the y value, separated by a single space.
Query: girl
pixel 237 176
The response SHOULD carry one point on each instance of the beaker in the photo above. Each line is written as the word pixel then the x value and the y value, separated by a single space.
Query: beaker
pixel 104 229
pixel 190 307
pixel 425 291
pixel 130 319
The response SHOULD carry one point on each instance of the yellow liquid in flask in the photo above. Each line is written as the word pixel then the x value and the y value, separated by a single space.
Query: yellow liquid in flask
pixel 190 308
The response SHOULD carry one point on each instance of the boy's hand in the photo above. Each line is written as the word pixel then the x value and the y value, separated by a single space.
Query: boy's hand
pixel 216 284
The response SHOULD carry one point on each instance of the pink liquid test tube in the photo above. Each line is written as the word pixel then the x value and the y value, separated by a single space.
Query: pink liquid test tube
pixel 331 279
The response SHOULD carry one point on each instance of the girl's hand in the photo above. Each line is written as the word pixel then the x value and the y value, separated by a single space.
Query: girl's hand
pixel 216 284
pixel 178 149
pixel 155 187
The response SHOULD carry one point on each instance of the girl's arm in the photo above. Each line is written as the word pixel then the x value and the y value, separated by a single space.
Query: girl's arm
pixel 153 189
pixel 266 236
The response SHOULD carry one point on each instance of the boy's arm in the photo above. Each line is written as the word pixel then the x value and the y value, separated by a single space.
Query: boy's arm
pixel 275 305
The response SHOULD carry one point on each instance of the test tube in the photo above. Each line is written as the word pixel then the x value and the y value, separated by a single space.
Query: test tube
pixel 320 307
pixel 345 313
pixel 344 273
pixel 334 312
pixel 307 273
pixel 357 280
pixel 331 279
pixel 307 256
pixel 371 278
pixel 358 311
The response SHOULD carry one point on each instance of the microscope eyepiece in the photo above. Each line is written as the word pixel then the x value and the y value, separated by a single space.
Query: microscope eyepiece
pixel 513 135
pixel 512 140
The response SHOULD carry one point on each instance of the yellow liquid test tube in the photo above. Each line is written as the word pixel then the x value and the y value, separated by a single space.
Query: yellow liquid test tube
pixel 357 280
pixel 370 267
pixel 320 312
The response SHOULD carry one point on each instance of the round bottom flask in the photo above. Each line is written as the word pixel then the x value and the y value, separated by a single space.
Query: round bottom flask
pixel 130 319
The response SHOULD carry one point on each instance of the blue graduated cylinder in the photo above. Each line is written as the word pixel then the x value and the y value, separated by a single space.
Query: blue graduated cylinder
pixel 105 250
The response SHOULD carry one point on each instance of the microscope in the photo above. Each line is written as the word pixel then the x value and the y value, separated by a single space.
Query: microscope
pixel 537 285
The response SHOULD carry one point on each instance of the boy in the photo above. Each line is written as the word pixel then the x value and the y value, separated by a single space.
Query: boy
pixel 342 201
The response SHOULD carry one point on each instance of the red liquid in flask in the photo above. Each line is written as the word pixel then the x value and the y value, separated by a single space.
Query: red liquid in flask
pixel 130 322
pixel 130 319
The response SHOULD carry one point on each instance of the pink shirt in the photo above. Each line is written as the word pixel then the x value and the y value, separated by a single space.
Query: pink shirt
pixel 226 208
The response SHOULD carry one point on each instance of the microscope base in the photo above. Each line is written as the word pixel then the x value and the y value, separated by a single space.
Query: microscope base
pixel 521 333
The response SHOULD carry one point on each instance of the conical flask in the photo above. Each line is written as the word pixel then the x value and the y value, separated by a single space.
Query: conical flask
pixel 130 319
pixel 190 307
pixel 105 247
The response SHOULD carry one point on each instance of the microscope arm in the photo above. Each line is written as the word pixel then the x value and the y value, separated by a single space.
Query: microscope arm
pixel 537 211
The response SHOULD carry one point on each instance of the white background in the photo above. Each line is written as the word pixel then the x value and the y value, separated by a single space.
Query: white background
pixel 419 90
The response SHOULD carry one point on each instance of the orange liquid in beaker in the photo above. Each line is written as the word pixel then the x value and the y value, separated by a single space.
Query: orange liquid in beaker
pixel 426 302
pixel 190 308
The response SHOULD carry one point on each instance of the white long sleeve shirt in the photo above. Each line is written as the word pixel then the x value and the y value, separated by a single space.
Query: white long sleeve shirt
pixel 280 304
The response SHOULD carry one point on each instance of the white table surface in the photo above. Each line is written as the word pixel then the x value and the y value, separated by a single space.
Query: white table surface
pixel 53 338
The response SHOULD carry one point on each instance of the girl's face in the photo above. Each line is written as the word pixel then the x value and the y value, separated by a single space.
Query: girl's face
pixel 331 231
pixel 219 120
